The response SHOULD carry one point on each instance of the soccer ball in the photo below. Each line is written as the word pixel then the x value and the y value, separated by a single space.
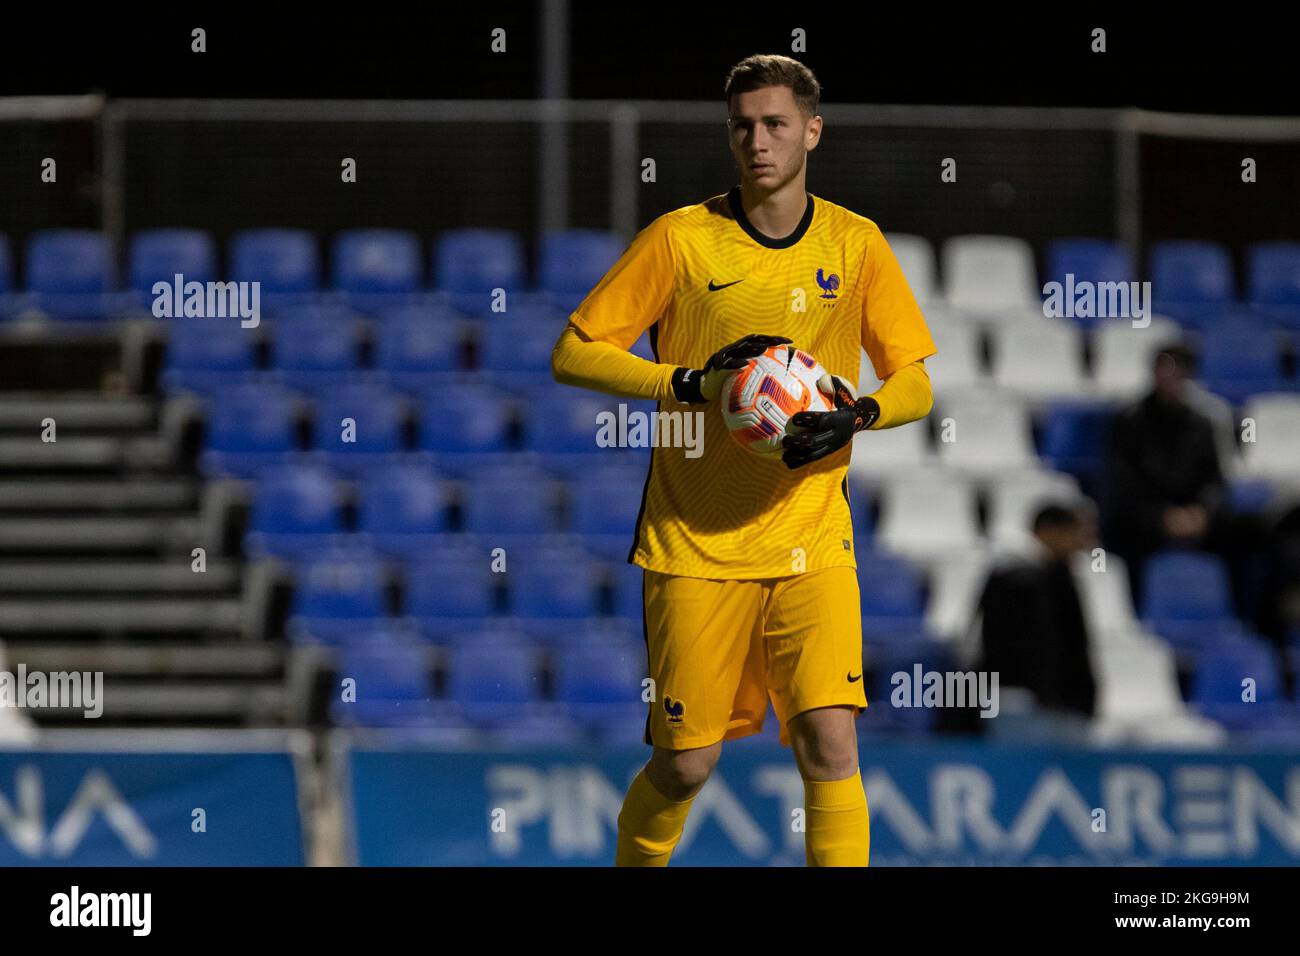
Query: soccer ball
pixel 758 400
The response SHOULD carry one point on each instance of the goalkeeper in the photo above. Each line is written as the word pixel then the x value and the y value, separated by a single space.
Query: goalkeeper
pixel 750 591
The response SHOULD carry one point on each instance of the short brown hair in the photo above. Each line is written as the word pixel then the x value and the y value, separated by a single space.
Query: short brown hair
pixel 772 69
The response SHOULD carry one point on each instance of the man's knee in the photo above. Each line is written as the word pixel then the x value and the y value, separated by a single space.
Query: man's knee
pixel 825 743
pixel 679 774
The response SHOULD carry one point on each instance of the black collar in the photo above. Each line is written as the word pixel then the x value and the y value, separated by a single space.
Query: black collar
pixel 738 211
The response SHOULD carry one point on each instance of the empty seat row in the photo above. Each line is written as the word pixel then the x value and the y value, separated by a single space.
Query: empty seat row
pixel 68 272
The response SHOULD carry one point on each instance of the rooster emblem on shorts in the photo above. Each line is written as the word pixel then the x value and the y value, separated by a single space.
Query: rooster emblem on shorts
pixel 674 709
pixel 828 283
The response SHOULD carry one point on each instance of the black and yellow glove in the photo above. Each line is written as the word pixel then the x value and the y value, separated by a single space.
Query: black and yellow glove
pixel 823 433
pixel 697 385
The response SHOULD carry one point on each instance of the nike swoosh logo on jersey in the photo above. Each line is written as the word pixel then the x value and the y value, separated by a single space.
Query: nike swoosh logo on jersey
pixel 714 287
pixel 852 679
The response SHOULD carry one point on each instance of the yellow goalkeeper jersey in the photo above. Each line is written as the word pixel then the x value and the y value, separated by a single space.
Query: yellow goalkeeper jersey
pixel 702 276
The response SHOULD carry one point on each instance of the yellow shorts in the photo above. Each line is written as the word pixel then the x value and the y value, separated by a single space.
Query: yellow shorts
pixel 719 649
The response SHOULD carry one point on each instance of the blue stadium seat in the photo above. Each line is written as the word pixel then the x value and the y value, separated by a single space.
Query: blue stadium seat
pixel 892 595
pixel 628 579
pixel 159 255
pixel 520 341
pixel 1190 278
pixel 376 269
pixel 889 660
pixel 450 592
pixel 1074 435
pixel 284 261
pixel 419 348
pixel 531 732
pixel 403 509
pixel 467 419
pixel 1273 280
pixel 1238 360
pixel 603 504
pixel 469 263
pixel 508 501
pixel 338 592
pixel 206 355
pixel 598 681
pixel 1217 685
pixel 69 274
pixel 574 430
pixel 1186 598
pixel 394 687
pixel 494 681
pixel 553 585
pixel 1088 260
pixel 250 428
pixel 311 354
pixel 376 434
pixel 574 261
pixel 297 511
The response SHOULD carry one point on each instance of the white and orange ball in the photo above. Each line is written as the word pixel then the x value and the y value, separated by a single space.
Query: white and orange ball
pixel 759 400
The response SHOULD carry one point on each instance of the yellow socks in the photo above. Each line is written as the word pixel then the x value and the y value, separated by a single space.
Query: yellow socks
pixel 838 831
pixel 649 825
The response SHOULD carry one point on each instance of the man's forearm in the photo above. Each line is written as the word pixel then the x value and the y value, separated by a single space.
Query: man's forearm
pixel 904 397
pixel 604 367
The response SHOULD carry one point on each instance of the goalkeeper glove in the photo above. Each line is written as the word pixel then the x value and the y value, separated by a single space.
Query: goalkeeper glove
pixel 823 433
pixel 697 385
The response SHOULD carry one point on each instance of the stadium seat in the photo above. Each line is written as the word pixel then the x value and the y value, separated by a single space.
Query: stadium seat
pixel 448 591
pixel 393 687
pixel 1105 597
pixel 249 428
pixel 520 341
pixel 494 681
pixel 297 511
pixel 420 348
pixel 467 419
pixel 376 268
pixel 892 595
pixel 959 361
pixel 1074 436
pixel 402 509
pixel 915 257
pixel 956 584
pixel 603 506
pixel 469 263
pixel 1190 279
pixel 1137 681
pixel 927 515
pixel 903 658
pixel 1186 598
pixel 204 355
pixel 1237 361
pixel 1274 454
pixel 1217 686
pixel 314 354
pixel 598 681
pixel 1016 497
pixel 990 275
pixel 878 454
pixel 69 274
pixel 1273 280
pixel 573 261
pixel 628 581
pixel 507 501
pixel 284 261
pixel 1088 260
pixel 337 592
pixel 159 255
pixel 1122 356
pixel 547 584
pixel 984 433
pixel 375 436
pixel 1039 360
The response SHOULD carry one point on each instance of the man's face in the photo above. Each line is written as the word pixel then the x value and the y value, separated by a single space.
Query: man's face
pixel 770 137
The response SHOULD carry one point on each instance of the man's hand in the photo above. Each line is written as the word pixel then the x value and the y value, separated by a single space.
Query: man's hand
pixel 823 433
pixel 696 385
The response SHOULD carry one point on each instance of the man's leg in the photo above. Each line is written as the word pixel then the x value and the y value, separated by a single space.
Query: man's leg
pixel 654 811
pixel 837 824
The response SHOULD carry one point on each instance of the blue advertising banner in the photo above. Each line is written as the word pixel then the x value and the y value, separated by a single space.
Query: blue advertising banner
pixel 930 804
pixel 198 799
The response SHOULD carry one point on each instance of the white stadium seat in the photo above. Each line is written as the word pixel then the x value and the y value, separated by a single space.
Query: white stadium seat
pixel 956 582
pixel 990 275
pixel 1041 360
pixel 1105 597
pixel 1015 498
pixel 1122 356
pixel 984 432
pixel 878 454
pixel 1274 455
pixel 926 515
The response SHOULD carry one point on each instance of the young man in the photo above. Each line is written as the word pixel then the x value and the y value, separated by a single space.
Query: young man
pixel 750 589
